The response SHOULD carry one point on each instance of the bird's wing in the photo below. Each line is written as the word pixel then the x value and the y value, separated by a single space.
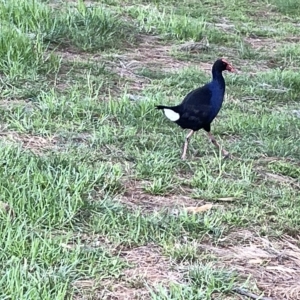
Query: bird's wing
pixel 198 102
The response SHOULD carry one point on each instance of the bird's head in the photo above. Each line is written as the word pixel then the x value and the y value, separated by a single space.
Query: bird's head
pixel 223 65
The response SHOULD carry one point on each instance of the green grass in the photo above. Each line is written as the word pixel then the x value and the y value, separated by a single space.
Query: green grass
pixel 288 7
pixel 92 171
pixel 202 283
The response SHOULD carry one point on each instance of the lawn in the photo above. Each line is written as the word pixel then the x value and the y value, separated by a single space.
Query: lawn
pixel 95 200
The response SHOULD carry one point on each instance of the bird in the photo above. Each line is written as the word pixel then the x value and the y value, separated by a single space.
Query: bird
pixel 200 106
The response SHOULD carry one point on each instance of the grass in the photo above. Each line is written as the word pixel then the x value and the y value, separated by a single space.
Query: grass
pixel 92 172
pixel 288 7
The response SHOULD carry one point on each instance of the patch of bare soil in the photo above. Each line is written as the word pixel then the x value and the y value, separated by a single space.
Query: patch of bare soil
pixel 148 268
pixel 12 103
pixel 292 39
pixel 153 55
pixel 135 198
pixel 34 143
pixel 262 43
pixel 274 264
pixel 194 47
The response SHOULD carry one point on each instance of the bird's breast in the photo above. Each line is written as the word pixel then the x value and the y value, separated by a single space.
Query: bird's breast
pixel 216 102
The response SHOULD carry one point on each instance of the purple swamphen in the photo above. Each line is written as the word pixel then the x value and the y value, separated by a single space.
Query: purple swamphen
pixel 199 107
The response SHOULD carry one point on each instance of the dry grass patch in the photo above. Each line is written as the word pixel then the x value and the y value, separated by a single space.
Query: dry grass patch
pixel 148 268
pixel 135 198
pixel 36 144
pixel 274 264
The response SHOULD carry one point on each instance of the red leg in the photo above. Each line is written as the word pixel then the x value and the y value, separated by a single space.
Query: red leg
pixel 213 140
pixel 186 143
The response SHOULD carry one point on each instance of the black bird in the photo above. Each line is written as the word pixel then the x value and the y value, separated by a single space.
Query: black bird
pixel 199 107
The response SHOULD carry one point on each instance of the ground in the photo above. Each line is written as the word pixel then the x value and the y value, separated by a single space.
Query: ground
pixel 95 201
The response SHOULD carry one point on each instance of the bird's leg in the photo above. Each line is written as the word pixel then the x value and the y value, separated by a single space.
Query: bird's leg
pixel 213 140
pixel 186 143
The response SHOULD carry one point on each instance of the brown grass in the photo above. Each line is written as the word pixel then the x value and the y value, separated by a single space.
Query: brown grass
pixel 273 264
pixel 135 198
pixel 34 143
pixel 148 268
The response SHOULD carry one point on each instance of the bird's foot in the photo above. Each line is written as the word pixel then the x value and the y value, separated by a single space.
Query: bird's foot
pixel 183 157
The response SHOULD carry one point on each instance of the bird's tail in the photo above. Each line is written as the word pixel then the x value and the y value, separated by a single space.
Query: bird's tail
pixel 163 107
pixel 171 112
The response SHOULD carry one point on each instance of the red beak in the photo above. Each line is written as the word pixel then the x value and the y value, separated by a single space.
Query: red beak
pixel 230 68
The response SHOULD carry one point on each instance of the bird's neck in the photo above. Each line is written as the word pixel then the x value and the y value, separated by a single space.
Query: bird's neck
pixel 218 78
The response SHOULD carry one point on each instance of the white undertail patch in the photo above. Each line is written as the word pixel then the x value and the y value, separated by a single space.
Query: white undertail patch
pixel 171 114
